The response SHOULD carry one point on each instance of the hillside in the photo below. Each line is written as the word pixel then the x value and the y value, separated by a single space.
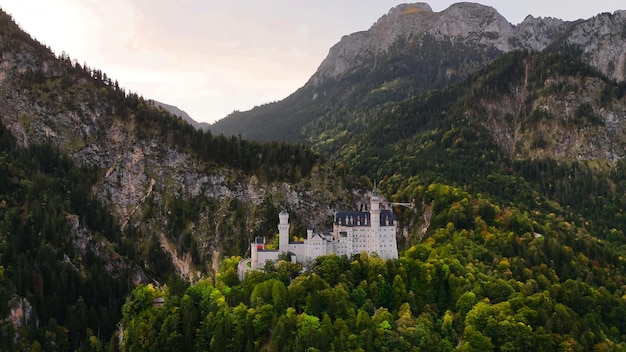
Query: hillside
pixel 516 242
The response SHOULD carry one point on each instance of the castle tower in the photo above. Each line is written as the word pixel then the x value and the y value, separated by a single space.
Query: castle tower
pixel 374 243
pixel 254 254
pixel 283 231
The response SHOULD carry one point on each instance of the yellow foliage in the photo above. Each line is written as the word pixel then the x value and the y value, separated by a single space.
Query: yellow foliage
pixel 409 10
pixel 448 318
pixel 504 264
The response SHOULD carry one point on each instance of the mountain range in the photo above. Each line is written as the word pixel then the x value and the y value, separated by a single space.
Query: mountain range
pixel 412 50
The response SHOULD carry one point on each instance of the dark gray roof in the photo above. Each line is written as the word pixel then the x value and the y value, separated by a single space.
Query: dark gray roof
pixel 362 218
pixel 387 218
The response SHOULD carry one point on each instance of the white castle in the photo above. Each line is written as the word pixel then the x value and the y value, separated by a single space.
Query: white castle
pixel 372 231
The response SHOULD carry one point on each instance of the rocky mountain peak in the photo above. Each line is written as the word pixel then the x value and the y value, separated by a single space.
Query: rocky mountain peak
pixel 477 26
pixel 469 21
pixel 402 21
pixel 601 40
pixel 537 33
pixel 401 13
pixel 475 22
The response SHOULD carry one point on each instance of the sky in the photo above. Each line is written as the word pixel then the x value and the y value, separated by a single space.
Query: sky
pixel 212 57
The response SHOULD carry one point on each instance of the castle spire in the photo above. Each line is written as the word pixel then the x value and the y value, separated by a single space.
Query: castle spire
pixel 375 190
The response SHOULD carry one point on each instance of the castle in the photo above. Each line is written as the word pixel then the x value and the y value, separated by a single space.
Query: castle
pixel 372 231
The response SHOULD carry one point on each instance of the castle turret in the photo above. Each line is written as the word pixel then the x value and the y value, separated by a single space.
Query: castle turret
pixel 283 231
pixel 257 244
pixel 374 244
pixel 375 208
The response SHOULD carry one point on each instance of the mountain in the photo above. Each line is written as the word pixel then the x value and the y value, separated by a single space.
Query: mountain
pixel 409 51
pixel 514 181
pixel 183 115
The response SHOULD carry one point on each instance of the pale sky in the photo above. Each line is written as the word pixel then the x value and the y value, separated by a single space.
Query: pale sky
pixel 211 57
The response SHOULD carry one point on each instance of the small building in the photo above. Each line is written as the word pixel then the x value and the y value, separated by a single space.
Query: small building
pixel 158 302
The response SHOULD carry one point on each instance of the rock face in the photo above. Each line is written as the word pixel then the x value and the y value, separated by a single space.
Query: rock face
pixel 601 41
pixel 537 33
pixel 409 22
pixel 475 24
pixel 600 38
pixel 79 116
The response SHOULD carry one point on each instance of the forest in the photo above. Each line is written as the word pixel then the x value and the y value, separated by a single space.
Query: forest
pixel 64 260
pixel 66 264
pixel 489 278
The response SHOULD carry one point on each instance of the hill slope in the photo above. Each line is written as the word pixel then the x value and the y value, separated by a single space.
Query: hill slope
pixel 182 114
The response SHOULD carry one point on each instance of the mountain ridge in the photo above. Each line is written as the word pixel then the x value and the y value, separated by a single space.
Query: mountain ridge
pixel 176 111
pixel 431 54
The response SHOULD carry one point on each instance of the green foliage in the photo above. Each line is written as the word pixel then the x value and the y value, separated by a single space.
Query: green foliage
pixel 45 206
pixel 489 277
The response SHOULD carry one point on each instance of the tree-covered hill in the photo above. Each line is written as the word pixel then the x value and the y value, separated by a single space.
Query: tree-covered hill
pixel 60 276
pixel 521 131
pixel 486 277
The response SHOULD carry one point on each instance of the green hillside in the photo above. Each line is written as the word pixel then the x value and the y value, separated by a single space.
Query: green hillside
pixel 486 277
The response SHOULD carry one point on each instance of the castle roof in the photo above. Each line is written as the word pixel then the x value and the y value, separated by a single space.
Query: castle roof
pixel 362 218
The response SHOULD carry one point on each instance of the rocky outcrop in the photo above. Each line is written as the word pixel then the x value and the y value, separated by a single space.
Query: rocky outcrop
pixel 462 22
pixel 537 33
pixel 571 125
pixel 475 24
pixel 601 41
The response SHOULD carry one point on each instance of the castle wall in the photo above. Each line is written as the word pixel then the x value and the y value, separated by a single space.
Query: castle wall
pixel 298 249
pixel 262 256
